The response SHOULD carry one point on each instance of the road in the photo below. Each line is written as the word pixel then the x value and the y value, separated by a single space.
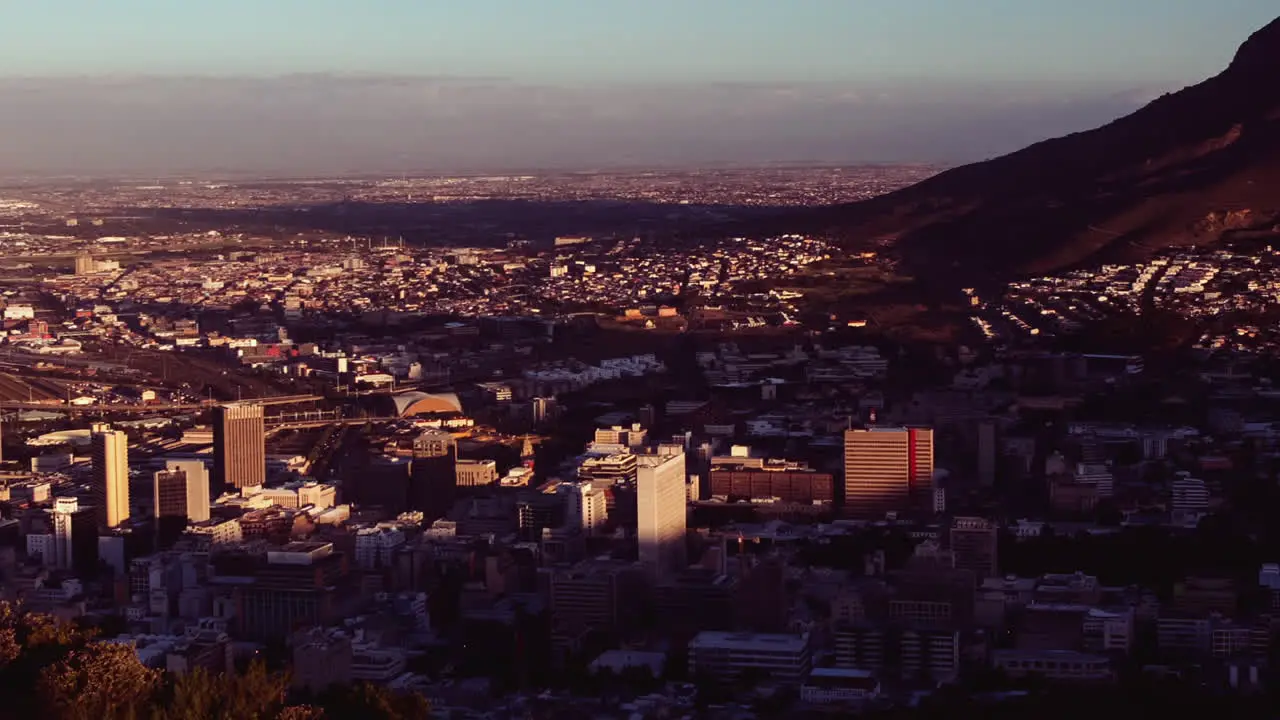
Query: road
pixel 131 408
pixel 304 424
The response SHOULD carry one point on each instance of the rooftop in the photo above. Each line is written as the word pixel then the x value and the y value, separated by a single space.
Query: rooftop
pixel 746 641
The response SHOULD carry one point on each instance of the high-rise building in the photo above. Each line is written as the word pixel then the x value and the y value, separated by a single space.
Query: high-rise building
pixel 987 453
pixel 110 476
pixel 85 264
pixel 585 507
pixel 170 490
pixel 973 546
pixel 1188 495
pixel 64 510
pixel 541 409
pixel 296 587
pixel 197 487
pixel 239 445
pixel 433 480
pixel 661 500
pixel 73 544
pixel 888 470
pixel 182 491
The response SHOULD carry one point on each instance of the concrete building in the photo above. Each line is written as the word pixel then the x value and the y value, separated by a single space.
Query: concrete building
pixel 476 473
pixel 85 264
pixel 217 532
pixel 169 489
pixel 374 546
pixel 110 476
pixel 1058 665
pixel 299 585
pixel 64 511
pixel 321 658
pixel 73 544
pixel 597 595
pixel 661 507
pixel 1109 632
pixel 974 546
pixel 586 507
pixel 317 495
pixel 182 494
pixel 239 445
pixel 760 479
pixel 887 470
pixel 633 437
pixel 781 658
pixel 198 487
pixel 433 480
pixel 840 686
pixel 987 453
pixel 610 469
pixel 1188 500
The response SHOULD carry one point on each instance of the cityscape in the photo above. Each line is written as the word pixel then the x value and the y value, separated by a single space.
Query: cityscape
pixel 747 440
pixel 488 475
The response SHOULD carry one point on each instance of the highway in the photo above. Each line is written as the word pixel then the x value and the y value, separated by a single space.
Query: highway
pixel 304 424
pixel 133 408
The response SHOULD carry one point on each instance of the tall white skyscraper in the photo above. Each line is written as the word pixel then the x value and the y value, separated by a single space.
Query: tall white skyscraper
pixel 585 507
pixel 63 510
pixel 197 489
pixel 110 476
pixel 660 506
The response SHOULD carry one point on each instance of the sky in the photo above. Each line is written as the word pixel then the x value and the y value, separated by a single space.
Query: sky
pixel 322 85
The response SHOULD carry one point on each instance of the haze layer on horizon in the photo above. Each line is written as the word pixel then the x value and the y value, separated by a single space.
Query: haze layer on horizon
pixel 141 87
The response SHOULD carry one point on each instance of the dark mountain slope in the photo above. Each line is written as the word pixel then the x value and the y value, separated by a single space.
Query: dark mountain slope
pixel 1180 170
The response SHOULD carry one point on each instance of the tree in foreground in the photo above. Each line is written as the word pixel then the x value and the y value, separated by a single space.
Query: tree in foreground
pixel 51 669
pixel 101 681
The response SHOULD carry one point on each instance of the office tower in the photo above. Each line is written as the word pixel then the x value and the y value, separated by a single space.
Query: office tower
pixel 542 409
pixel 298 586
pixel 974 546
pixel 64 511
pixel 182 492
pixel 73 544
pixel 600 595
pixel 433 478
pixel 170 490
pixel 110 476
pixel 197 487
pixel 986 453
pixel 660 506
pixel 85 264
pixel 239 445
pixel 888 470
pixel 585 507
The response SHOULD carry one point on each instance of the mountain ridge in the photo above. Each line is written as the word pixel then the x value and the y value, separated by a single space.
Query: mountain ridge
pixel 1181 170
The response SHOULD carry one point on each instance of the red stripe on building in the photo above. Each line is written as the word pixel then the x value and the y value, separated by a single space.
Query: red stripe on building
pixel 912 483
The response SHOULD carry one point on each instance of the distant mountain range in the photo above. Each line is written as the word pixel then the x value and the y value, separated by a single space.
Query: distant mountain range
pixel 1184 169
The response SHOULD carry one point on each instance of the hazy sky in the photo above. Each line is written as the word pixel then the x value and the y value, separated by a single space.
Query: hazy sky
pixel 1139 41
pixel 323 85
